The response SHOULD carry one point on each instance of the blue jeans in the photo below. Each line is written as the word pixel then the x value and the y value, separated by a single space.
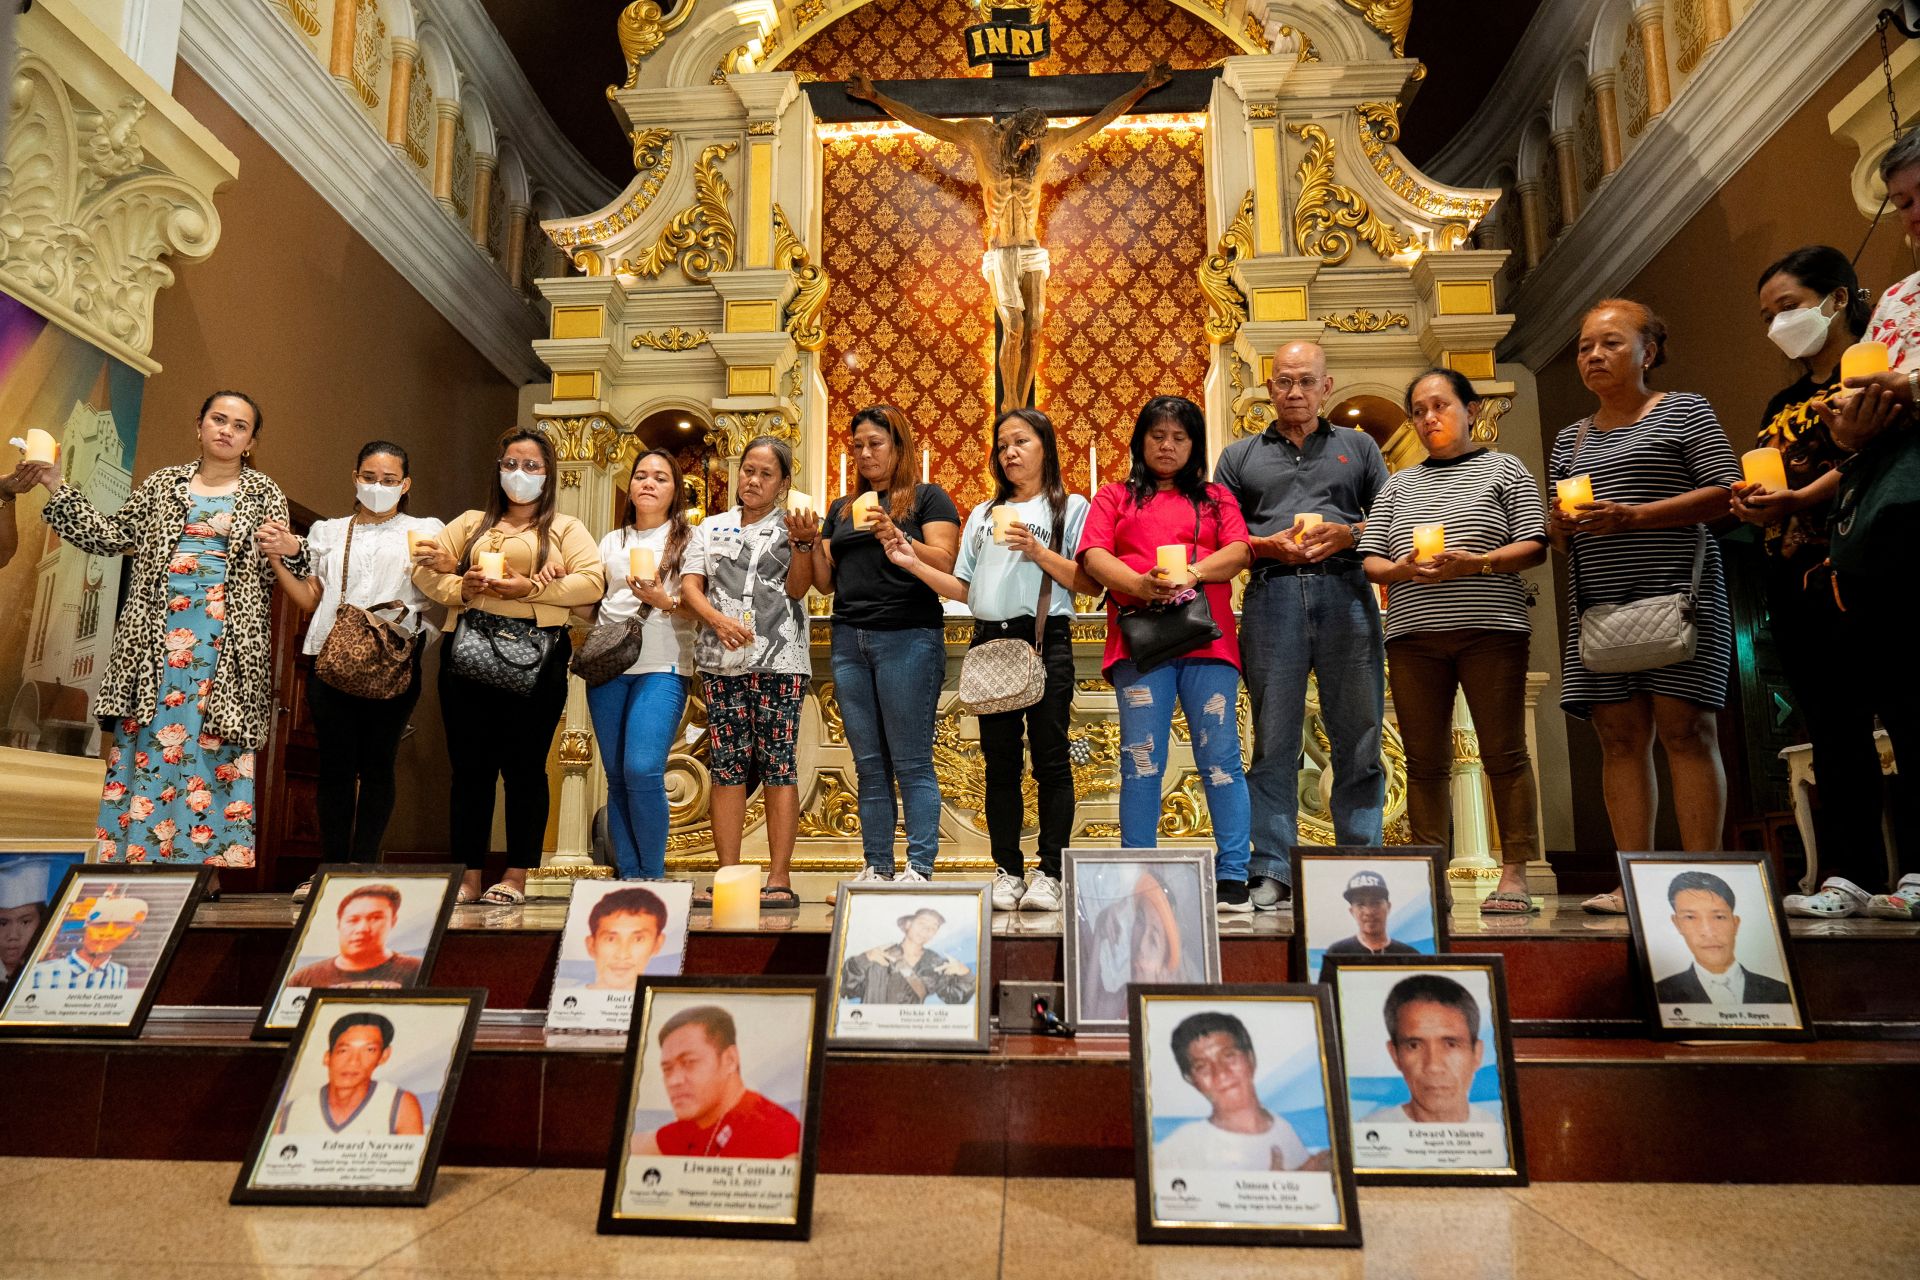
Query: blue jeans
pixel 635 718
pixel 1328 624
pixel 888 687
pixel 1209 691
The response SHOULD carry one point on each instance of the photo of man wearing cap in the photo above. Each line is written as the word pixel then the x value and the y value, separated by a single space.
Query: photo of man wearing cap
pixel 111 923
pixel 25 886
pixel 1370 905
pixel 908 971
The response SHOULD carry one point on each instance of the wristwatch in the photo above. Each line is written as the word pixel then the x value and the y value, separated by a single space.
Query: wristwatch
pixel 1486 565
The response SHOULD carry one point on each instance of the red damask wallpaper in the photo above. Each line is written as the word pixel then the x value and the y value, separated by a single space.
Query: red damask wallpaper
pixel 920 40
pixel 910 322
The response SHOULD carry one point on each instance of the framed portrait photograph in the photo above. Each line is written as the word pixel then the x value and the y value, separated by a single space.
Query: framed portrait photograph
pixel 1710 947
pixel 95 965
pixel 719 1109
pixel 30 872
pixel 1240 1117
pixel 1367 901
pixel 1134 915
pixel 1430 1081
pixel 358 1114
pixel 371 928
pixel 617 932
pixel 911 968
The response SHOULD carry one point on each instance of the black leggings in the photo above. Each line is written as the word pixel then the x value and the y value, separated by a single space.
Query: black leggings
pixel 493 734
pixel 1044 725
pixel 358 739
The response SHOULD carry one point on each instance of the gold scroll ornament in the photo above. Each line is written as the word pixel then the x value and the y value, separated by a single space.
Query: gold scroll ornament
pixel 1226 305
pixel 811 285
pixel 641 30
pixel 1329 219
pixel 700 238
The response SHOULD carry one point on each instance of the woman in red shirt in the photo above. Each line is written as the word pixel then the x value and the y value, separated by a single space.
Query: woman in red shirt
pixel 1167 501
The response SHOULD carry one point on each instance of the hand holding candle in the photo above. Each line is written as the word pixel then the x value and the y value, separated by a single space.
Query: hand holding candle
pixel 866 508
pixel 798 503
pixel 1004 518
pixel 491 563
pixel 1304 522
pixel 643 564
pixel 736 897
pixel 1864 359
pixel 1429 540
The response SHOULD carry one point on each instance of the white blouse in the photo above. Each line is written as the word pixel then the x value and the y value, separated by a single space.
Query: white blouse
pixel 666 641
pixel 381 568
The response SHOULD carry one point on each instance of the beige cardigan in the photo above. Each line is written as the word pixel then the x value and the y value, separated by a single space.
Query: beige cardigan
pixel 568 542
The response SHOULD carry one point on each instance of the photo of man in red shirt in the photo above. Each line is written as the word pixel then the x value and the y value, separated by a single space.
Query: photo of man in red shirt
pixel 715 1115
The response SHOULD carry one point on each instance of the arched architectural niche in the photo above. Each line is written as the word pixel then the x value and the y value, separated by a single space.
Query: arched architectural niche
pixel 478 119
pixel 1630 72
pixel 436 60
pixel 1569 95
pixel 695 57
pixel 400 20
pixel 1334 38
pixel 507 210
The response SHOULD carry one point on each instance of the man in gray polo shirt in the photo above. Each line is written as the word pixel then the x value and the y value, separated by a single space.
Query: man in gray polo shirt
pixel 1309 609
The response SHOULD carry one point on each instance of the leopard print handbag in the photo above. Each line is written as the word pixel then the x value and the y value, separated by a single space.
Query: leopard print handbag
pixel 367 655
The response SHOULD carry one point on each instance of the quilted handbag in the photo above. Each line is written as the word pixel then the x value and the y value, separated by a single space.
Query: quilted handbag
pixel 1638 635
pixel 504 652
pixel 367 655
pixel 610 648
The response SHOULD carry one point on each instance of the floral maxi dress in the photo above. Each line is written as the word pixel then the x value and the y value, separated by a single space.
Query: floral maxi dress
pixel 176 793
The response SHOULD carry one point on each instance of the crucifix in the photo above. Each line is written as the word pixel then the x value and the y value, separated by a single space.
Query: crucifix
pixel 1011 154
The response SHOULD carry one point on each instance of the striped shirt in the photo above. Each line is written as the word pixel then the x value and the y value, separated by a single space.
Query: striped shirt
pixel 1677 446
pixel 1485 500
pixel 70 972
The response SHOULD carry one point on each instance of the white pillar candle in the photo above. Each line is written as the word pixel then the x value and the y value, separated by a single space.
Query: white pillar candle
pixel 41 446
pixel 736 897
pixel 643 563
pixel 1004 518
pixel 1173 558
pixel 1093 471
pixel 865 508
pixel 1429 540
pixel 492 563
pixel 926 466
pixel 798 502
pixel 1303 522
pixel 1765 467
pixel 843 473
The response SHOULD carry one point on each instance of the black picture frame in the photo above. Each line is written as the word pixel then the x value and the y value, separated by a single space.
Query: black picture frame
pixel 271 1024
pixel 1498 1028
pixel 847 899
pixel 1305 921
pixel 14 1014
pixel 44 861
pixel 641 1047
pixel 326 999
pixel 1667 1018
pixel 1073 865
pixel 1150 1228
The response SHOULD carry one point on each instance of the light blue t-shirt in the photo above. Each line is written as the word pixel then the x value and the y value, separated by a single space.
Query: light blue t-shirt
pixel 1002 583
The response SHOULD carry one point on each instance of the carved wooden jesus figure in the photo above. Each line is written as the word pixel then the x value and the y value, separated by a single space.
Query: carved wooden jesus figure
pixel 1011 156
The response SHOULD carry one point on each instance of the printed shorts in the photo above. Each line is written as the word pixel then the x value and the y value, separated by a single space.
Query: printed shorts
pixel 753 718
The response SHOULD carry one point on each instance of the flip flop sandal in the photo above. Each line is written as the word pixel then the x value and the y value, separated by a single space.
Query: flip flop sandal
pixel 1605 904
pixel 779 898
pixel 503 895
pixel 465 898
pixel 1507 903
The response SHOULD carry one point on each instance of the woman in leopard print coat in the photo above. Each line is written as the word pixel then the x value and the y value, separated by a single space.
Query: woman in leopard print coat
pixel 189 685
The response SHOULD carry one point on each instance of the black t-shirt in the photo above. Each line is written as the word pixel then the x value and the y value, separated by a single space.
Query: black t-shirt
pixel 872 591
pixel 1808 452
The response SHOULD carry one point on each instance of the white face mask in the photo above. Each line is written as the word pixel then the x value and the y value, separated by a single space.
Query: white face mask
pixel 377 498
pixel 520 486
pixel 1801 332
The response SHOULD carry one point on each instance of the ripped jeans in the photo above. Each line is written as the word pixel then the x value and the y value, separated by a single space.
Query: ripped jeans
pixel 1208 691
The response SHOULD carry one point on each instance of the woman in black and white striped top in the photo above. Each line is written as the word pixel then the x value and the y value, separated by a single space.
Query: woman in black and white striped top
pixel 1661 470
pixel 1457 619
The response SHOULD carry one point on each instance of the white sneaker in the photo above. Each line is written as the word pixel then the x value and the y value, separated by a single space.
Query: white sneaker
pixel 1838 898
pixel 1006 891
pixel 871 875
pixel 1043 893
pixel 910 876
pixel 1268 894
pixel 1902 904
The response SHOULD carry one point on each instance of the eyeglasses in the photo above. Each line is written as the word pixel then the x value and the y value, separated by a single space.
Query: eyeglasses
pixel 1306 384
pixel 531 466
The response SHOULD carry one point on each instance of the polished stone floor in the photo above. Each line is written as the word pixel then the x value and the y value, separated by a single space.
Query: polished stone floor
pixel 170 1221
